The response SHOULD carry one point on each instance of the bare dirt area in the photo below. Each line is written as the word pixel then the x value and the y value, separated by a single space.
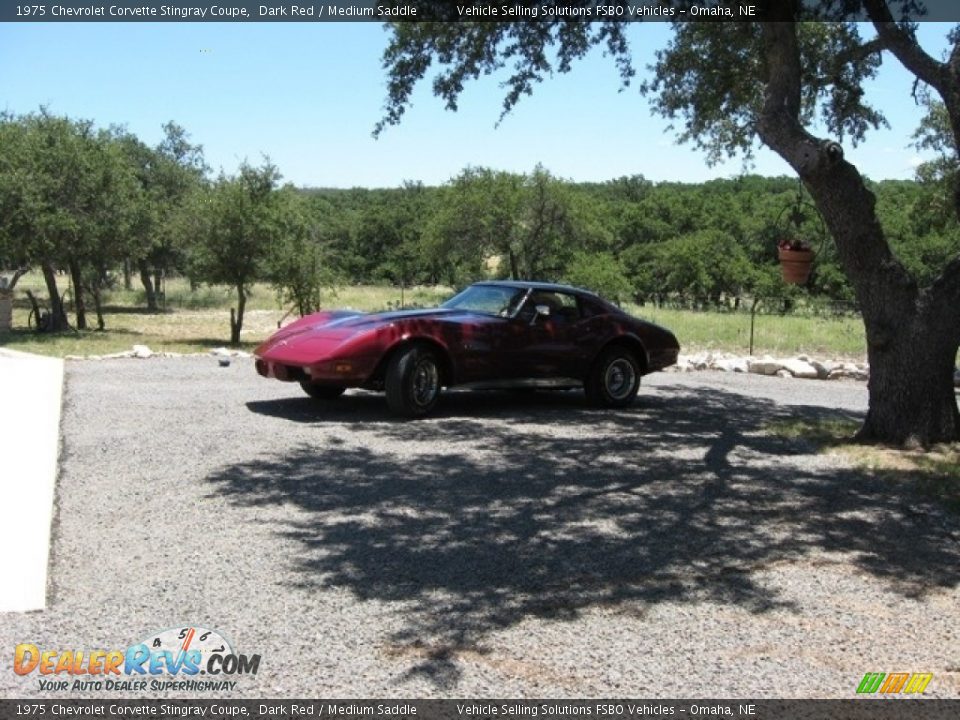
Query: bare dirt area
pixel 508 547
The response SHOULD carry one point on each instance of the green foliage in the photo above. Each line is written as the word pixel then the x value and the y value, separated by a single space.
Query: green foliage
pixel 466 51
pixel 720 109
pixel 522 226
pixel 239 219
pixel 298 263
pixel 68 199
pixel 600 272
pixel 942 174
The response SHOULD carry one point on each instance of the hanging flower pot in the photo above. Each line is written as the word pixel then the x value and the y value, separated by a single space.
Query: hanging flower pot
pixel 796 261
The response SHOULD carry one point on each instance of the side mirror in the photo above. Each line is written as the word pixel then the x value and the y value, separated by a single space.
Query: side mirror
pixel 540 311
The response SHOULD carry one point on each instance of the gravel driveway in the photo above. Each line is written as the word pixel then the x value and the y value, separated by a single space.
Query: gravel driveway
pixel 510 547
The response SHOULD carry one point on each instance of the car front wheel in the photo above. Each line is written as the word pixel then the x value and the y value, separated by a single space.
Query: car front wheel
pixel 413 381
pixel 322 392
pixel 614 379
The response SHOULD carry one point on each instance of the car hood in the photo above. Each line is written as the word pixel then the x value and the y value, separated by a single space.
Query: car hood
pixel 341 325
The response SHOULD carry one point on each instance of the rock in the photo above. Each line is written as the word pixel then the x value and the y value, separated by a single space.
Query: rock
pixel 225 352
pixel 764 366
pixel 822 372
pixel 142 351
pixel 733 364
pixel 800 368
pixel 844 373
pixel 783 373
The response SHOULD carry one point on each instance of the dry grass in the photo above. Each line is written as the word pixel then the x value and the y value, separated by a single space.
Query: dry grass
pixel 193 320
pixel 934 472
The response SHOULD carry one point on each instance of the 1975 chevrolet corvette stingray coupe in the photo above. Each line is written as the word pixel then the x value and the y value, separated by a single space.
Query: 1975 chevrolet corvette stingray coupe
pixel 492 335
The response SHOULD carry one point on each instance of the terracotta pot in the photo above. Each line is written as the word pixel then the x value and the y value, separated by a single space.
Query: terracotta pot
pixel 795 265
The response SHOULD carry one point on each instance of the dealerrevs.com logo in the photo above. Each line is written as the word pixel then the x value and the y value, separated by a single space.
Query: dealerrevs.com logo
pixel 187 658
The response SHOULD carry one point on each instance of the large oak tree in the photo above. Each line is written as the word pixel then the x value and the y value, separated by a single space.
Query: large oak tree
pixel 801 67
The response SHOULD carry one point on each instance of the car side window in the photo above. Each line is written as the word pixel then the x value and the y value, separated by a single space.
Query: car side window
pixel 567 309
pixel 563 306
pixel 589 309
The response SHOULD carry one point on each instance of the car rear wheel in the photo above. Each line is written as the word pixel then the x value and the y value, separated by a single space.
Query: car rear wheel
pixel 413 381
pixel 614 379
pixel 322 392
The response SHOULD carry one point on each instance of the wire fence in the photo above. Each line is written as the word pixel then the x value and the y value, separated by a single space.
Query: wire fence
pixel 817 329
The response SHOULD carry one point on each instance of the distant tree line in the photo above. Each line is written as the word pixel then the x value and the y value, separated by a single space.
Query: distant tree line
pixel 103 208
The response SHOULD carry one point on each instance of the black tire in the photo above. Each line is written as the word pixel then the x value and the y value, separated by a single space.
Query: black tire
pixel 322 392
pixel 413 381
pixel 614 379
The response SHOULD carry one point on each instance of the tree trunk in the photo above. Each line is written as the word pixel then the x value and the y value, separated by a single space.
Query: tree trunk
pixel 912 335
pixel 147 285
pixel 79 306
pixel 127 272
pixel 98 306
pixel 514 269
pixel 236 318
pixel 912 399
pixel 911 338
pixel 58 318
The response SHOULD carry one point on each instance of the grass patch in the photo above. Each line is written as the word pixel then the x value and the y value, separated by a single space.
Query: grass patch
pixel 781 335
pixel 829 432
pixel 934 473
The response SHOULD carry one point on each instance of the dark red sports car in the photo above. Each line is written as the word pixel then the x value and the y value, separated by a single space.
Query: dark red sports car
pixel 492 335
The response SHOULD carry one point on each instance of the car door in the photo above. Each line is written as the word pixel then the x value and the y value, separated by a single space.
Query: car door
pixel 544 343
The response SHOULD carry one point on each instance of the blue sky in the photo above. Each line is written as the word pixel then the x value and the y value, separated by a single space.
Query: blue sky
pixel 308 95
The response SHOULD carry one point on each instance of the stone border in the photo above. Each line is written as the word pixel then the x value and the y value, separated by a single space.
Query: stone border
pixel 800 366
pixel 142 352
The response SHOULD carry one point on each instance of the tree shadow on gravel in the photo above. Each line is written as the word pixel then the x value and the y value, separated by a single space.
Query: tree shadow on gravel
pixel 504 509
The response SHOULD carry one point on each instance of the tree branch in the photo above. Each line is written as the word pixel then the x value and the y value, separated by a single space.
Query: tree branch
pixel 779 122
pixel 17 275
pixel 905 47
pixel 861 52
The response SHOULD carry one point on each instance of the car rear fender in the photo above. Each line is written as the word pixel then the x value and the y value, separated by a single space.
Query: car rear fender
pixel 447 374
pixel 631 343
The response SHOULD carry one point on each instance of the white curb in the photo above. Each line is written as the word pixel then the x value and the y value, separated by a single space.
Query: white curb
pixel 31 388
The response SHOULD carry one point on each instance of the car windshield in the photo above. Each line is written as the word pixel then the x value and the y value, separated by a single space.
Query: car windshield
pixel 487 299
